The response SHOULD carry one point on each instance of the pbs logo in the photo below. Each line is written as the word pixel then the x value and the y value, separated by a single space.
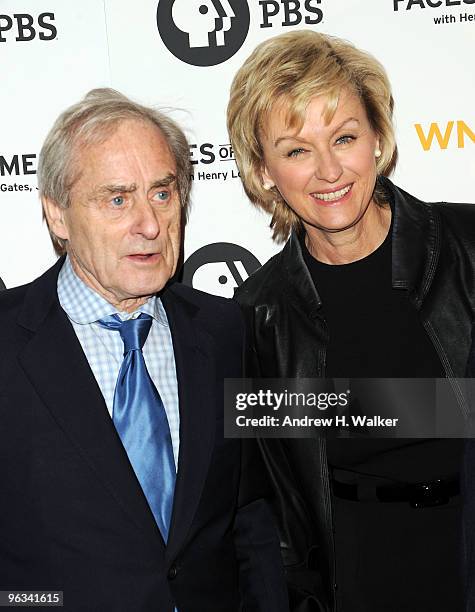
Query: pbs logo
pixel 23 27
pixel 219 268
pixel 203 32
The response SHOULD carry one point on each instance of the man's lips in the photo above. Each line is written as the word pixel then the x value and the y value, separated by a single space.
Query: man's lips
pixel 144 257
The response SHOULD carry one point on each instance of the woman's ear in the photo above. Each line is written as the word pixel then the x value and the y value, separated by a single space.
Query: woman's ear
pixel 267 181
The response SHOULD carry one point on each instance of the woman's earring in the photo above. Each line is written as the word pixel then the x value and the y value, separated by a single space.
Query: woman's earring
pixel 377 153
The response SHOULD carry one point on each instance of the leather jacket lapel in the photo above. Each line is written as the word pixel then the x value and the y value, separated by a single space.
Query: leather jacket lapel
pixel 415 243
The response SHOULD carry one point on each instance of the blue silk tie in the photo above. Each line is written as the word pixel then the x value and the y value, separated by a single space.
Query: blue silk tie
pixel 141 421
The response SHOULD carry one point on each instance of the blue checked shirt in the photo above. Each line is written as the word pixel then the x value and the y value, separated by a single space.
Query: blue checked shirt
pixel 104 348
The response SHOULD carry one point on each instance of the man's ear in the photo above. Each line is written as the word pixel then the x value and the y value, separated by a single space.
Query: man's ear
pixel 55 217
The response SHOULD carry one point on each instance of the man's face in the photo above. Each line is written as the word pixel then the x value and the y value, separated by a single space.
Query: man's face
pixel 123 222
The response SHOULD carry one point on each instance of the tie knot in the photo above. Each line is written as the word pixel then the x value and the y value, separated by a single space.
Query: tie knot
pixel 133 332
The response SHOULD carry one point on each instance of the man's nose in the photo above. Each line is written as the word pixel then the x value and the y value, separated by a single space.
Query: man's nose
pixel 328 166
pixel 145 219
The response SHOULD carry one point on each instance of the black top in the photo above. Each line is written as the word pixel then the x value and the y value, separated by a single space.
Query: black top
pixel 375 331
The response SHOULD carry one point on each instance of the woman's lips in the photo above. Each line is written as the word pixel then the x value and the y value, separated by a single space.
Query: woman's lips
pixel 336 196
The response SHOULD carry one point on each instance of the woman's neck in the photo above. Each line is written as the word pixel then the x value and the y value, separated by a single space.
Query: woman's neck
pixel 352 243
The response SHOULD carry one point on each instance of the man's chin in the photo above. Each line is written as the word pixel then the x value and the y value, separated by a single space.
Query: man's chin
pixel 146 289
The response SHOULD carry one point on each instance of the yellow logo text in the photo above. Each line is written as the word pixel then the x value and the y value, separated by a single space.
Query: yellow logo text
pixel 443 135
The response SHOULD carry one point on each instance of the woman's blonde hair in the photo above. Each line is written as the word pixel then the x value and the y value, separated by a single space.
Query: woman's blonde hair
pixel 293 68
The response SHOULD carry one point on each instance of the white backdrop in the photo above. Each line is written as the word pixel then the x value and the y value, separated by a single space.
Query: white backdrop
pixel 53 51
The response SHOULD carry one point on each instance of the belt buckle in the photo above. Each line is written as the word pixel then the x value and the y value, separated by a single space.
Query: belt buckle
pixel 428 494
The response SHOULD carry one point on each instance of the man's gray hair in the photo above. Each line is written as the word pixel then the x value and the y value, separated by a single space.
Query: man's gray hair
pixel 92 121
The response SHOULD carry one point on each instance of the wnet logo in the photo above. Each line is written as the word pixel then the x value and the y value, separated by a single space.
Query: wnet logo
pixel 442 135
pixel 203 32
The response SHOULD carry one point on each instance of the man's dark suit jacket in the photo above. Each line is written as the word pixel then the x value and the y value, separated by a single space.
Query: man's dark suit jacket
pixel 72 514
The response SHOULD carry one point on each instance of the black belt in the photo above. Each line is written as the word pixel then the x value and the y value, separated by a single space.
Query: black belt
pixel 418 494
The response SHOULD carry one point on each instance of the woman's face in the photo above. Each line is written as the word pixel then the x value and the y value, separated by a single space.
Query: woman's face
pixel 327 171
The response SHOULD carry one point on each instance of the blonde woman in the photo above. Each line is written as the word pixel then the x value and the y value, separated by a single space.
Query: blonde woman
pixel 371 282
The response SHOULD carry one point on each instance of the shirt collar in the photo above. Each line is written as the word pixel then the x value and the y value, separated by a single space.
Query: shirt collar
pixel 83 305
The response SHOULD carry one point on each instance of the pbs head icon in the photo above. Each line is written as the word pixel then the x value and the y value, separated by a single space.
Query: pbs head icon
pixel 219 268
pixel 199 19
pixel 203 32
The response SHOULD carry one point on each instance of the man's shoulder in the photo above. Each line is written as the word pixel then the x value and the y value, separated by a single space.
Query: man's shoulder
pixel 13 335
pixel 11 300
pixel 33 300
pixel 201 299
pixel 217 313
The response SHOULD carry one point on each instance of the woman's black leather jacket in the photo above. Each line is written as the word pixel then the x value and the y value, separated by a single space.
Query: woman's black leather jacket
pixel 433 258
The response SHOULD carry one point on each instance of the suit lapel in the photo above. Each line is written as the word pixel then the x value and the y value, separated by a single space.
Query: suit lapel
pixel 194 360
pixel 54 362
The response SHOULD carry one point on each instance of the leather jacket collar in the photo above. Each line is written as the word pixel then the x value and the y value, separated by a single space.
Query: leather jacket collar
pixel 414 260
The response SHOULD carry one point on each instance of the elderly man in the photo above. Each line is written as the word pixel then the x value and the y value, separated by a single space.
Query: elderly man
pixel 117 485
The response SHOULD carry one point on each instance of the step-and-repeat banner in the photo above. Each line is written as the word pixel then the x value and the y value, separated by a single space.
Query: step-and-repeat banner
pixel 181 55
